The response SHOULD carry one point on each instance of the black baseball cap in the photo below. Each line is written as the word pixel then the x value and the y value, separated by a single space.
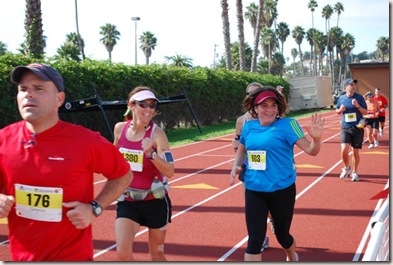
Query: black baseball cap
pixel 43 71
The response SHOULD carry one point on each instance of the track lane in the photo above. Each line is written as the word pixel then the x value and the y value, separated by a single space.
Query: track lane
pixel 208 223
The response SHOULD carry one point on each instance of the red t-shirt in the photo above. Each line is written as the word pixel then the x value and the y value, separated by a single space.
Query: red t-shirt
pixel 64 157
pixel 382 102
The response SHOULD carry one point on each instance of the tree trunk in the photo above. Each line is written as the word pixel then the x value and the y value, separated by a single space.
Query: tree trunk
pixel 77 31
pixel 227 39
pixel 240 26
pixel 256 37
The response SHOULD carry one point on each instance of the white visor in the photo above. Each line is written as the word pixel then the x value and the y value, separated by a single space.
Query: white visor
pixel 143 95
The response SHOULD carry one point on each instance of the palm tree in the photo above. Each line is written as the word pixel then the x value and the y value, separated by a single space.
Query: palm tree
pixel 235 55
pixel 68 51
pixel 327 12
pixel 338 8
pixel 269 43
pixel 347 45
pixel 240 28
pixel 80 41
pixel 282 32
pixel 179 61
pixel 298 35
pixel 269 12
pixel 149 42
pixel 3 48
pixel 278 62
pixel 34 44
pixel 312 4
pixel 256 36
pixel 334 37
pixel 319 48
pixel 226 31
pixel 310 38
pixel 383 46
pixel 110 37
pixel 76 40
pixel 294 55
pixel 252 15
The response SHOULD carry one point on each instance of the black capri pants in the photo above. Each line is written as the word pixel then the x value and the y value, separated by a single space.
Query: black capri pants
pixel 281 204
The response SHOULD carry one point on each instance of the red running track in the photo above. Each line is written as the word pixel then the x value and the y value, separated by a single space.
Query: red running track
pixel 331 220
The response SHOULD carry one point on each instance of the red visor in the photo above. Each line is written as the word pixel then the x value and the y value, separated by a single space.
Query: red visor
pixel 264 95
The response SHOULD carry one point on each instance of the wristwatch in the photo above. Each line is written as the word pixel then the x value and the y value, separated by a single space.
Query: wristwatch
pixel 153 155
pixel 97 209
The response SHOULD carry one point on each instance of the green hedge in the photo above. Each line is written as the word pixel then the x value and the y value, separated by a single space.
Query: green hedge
pixel 215 95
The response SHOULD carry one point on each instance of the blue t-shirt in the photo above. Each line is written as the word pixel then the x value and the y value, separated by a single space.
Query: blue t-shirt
pixel 351 116
pixel 277 141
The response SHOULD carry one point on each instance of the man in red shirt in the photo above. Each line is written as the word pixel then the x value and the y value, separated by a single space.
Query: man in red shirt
pixel 382 102
pixel 47 171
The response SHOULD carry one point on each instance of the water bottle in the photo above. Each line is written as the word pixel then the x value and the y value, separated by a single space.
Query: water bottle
pixel 166 184
pixel 157 188
pixel 361 123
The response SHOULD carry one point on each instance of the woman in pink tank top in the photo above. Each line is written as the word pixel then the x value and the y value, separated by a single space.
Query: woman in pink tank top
pixel 146 147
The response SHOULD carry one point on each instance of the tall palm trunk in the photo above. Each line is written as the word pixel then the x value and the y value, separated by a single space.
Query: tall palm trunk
pixel 256 36
pixel 35 41
pixel 227 39
pixel 77 31
pixel 240 26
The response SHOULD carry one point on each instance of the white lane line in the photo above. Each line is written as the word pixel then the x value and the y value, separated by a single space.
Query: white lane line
pixel 184 211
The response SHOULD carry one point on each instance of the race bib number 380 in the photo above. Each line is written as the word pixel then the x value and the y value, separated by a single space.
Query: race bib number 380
pixel 256 160
pixel 134 158
pixel 39 203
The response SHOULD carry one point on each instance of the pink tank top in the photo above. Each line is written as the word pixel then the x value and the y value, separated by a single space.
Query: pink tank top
pixel 143 169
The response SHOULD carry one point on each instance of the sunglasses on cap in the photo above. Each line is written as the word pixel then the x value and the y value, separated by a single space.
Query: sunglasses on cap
pixel 144 104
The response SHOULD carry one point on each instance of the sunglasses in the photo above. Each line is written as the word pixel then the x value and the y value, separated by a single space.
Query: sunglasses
pixel 144 104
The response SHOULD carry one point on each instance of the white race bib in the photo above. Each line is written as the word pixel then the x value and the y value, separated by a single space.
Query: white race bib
pixel 350 117
pixel 39 203
pixel 256 160
pixel 134 158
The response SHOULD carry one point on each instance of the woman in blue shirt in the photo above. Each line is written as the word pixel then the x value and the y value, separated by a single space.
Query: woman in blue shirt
pixel 268 142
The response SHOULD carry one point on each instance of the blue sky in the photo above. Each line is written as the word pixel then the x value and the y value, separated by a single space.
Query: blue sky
pixel 190 28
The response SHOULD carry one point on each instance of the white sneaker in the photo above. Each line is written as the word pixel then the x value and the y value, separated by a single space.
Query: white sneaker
pixel 296 257
pixel 371 146
pixel 265 244
pixel 376 144
pixel 355 176
pixel 345 172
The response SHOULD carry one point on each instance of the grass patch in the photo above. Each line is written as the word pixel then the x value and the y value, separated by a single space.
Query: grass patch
pixel 189 135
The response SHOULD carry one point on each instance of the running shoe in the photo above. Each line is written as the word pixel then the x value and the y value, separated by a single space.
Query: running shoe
pixel 371 146
pixel 376 143
pixel 272 225
pixel 355 176
pixel 296 257
pixel 345 172
pixel 265 244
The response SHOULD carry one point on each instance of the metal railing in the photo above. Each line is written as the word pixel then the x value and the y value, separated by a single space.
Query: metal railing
pixel 379 244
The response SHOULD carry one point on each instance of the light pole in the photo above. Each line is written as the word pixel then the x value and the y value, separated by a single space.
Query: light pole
pixel 136 19
pixel 215 55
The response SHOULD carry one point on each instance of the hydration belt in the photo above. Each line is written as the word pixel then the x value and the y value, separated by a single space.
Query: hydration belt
pixel 139 194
